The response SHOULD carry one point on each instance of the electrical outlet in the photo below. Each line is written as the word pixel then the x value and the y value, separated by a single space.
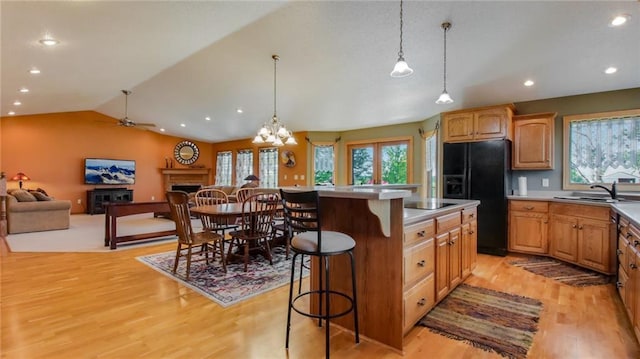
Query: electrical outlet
pixel 153 198
pixel 79 201
pixel 302 177
pixel 545 182
pixel 285 177
pixel 295 177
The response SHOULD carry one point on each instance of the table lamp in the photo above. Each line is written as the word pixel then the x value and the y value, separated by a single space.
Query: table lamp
pixel 20 177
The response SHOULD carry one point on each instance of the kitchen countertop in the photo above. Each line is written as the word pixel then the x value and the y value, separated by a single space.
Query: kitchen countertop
pixel 630 209
pixel 413 215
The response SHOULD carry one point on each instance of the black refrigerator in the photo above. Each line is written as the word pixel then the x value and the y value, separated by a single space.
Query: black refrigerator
pixel 481 171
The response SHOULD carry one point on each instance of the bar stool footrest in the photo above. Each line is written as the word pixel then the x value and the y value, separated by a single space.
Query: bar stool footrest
pixel 323 293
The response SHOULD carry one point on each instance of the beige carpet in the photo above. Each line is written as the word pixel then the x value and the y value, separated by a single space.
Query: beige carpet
pixel 86 234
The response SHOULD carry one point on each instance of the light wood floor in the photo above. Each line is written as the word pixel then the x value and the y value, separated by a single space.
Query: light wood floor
pixel 108 305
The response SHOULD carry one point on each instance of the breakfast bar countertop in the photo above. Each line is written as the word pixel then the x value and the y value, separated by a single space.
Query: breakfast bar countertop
pixel 356 192
pixel 414 215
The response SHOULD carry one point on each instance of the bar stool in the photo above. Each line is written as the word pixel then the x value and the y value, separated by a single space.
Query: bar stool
pixel 302 214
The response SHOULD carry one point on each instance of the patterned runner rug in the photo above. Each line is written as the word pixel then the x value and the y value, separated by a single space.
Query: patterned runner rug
pixel 487 319
pixel 562 272
pixel 234 286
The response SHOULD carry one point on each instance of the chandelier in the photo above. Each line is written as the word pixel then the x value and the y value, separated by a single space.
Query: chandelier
pixel 274 132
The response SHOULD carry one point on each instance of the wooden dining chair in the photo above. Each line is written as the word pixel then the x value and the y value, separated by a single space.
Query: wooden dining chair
pixel 201 242
pixel 212 196
pixel 255 227
pixel 243 193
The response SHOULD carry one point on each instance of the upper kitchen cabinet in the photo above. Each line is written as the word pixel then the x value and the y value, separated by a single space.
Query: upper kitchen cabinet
pixel 478 124
pixel 533 141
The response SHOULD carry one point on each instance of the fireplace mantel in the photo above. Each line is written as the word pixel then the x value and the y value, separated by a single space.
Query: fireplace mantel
pixel 185 176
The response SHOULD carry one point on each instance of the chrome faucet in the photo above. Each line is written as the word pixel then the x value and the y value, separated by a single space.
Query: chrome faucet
pixel 612 191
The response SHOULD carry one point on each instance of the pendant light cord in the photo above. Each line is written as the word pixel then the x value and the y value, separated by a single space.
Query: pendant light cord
pixel 446 27
pixel 400 53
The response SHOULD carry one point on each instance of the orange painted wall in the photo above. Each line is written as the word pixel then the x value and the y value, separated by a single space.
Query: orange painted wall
pixel 51 149
pixel 286 175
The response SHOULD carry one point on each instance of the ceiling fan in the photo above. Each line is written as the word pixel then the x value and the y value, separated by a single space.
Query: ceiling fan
pixel 126 122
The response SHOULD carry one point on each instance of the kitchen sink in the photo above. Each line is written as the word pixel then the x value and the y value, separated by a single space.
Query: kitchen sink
pixel 591 199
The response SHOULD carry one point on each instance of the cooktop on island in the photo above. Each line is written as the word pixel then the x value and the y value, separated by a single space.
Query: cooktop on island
pixel 428 204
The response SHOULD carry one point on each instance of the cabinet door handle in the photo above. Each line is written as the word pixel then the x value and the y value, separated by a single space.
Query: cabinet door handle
pixel 452 242
pixel 529 208
pixel 636 243
pixel 579 227
pixel 633 266
pixel 471 232
pixel 619 251
pixel 472 215
pixel 422 302
pixel 619 285
pixel 573 226
pixel 421 263
pixel 628 235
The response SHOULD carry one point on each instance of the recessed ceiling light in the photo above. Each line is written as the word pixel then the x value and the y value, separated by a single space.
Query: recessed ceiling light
pixel 239 110
pixel 162 130
pixel 183 125
pixel 208 118
pixel 619 20
pixel 34 71
pixel 610 70
pixel 24 90
pixel 529 83
pixel 48 41
pixel 11 113
pixel 17 103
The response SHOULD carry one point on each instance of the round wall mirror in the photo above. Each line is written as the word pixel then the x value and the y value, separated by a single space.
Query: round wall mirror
pixel 186 152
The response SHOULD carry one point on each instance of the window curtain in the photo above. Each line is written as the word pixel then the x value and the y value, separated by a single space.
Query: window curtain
pixel 244 165
pixel 223 168
pixel 268 160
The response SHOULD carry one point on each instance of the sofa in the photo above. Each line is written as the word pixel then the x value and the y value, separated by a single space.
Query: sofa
pixel 28 211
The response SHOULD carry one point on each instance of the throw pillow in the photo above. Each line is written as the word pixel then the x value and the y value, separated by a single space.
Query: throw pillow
pixel 42 191
pixel 23 196
pixel 40 196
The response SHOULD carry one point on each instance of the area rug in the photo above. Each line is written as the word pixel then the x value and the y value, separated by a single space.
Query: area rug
pixel 487 319
pixel 562 272
pixel 232 287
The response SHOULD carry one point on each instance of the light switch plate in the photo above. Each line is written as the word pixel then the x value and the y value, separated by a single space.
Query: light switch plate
pixel 545 182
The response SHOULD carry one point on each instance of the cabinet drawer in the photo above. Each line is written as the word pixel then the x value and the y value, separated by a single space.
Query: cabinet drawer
pixel 469 214
pixel 418 261
pixel 448 221
pixel 418 232
pixel 418 301
pixel 529 206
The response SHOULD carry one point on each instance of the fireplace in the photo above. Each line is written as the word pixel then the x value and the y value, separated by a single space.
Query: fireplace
pixel 185 179
pixel 189 188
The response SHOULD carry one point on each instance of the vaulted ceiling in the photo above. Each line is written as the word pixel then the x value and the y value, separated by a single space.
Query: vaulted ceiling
pixel 188 60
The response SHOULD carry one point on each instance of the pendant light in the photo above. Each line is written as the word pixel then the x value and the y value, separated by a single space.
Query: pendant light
pixel 444 97
pixel 401 69
pixel 275 132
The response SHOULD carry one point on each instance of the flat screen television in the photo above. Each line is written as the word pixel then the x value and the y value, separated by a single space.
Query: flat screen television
pixel 102 171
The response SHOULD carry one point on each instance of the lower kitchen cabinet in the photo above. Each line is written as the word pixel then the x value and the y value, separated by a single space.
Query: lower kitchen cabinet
pixel 528 226
pixel 581 234
pixel 448 254
pixel 628 272
pixel 469 234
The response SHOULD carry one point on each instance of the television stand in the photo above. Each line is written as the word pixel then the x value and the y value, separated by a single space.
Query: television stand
pixel 97 198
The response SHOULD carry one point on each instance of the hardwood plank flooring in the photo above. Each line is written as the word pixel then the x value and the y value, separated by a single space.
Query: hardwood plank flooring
pixel 108 305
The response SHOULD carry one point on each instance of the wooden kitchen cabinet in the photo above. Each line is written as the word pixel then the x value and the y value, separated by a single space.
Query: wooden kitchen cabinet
pixel 448 254
pixel 533 141
pixel 479 124
pixel 580 234
pixel 528 226
pixel 628 272
pixel 418 271
pixel 469 233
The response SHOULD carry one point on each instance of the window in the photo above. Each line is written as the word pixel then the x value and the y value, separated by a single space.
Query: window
pixel 430 179
pixel 223 168
pixel 602 148
pixel 324 165
pixel 268 161
pixel 244 165
pixel 383 162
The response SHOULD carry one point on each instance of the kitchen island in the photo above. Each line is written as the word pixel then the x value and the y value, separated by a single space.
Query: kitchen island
pixel 396 267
